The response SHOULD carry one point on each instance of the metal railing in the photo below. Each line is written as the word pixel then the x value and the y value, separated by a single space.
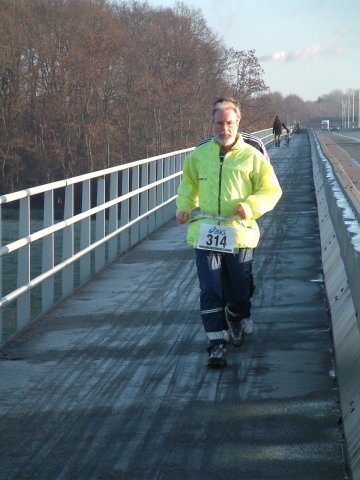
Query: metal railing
pixel 266 136
pixel 82 224
pixel 131 201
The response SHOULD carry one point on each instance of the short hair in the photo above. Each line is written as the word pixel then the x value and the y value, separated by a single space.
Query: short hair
pixel 223 104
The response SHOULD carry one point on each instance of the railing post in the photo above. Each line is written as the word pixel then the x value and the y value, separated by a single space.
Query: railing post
pixel 113 215
pixel 100 225
pixel 134 206
pixel 166 173
pixel 68 243
pixel 159 191
pixel 47 296
pixel 166 187
pixel 152 197
pixel 85 233
pixel 23 277
pixel 124 212
pixel 172 172
pixel 144 202
pixel 178 168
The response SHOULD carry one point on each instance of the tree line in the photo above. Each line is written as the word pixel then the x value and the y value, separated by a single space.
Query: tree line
pixel 88 84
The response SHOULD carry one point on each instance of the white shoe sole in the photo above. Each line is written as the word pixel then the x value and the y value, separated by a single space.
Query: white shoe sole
pixel 248 325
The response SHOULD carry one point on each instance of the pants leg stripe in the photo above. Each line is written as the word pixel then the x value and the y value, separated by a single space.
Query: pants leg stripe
pixel 213 310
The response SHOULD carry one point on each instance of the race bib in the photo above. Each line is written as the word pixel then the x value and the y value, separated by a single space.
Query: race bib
pixel 217 238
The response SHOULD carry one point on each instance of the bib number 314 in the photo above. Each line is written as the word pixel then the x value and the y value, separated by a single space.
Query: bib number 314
pixel 217 238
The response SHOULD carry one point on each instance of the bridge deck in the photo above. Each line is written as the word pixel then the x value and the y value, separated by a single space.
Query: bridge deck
pixel 113 383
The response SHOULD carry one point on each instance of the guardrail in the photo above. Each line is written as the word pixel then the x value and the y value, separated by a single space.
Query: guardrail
pixel 340 247
pixel 345 220
pixel 266 136
pixel 131 201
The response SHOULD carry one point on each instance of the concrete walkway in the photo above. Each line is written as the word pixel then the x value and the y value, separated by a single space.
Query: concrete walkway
pixel 113 384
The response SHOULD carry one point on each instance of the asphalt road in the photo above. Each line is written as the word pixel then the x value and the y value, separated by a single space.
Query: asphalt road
pixel 344 149
pixel 113 384
pixel 350 142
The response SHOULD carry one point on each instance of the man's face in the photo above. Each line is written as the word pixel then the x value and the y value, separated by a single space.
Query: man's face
pixel 225 127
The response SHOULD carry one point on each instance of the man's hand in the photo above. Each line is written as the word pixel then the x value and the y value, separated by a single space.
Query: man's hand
pixel 182 217
pixel 239 210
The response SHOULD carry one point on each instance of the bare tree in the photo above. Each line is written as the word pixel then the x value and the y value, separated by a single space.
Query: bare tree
pixel 11 96
pixel 86 84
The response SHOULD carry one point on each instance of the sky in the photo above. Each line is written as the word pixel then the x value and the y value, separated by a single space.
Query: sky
pixel 306 47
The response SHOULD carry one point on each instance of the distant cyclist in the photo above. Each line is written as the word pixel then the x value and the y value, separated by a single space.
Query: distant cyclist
pixel 287 137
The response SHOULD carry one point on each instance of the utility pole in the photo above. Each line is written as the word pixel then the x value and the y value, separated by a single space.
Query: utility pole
pixel 353 116
pixel 345 111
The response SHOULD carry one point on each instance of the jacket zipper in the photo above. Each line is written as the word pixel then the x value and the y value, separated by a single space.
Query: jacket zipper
pixel 222 157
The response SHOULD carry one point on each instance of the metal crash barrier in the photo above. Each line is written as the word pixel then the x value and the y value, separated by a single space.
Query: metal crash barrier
pixel 340 246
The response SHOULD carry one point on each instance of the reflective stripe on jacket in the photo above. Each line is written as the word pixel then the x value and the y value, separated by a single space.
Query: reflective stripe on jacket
pixel 244 177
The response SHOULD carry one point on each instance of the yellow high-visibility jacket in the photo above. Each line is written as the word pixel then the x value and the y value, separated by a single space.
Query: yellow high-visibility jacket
pixel 244 177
